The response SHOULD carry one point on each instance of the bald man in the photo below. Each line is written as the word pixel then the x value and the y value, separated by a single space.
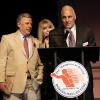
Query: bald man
pixel 82 36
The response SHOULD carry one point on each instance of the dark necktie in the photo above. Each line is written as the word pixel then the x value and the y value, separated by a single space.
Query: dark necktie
pixel 26 47
pixel 71 39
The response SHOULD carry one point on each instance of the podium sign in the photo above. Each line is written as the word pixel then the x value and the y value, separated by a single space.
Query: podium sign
pixel 70 79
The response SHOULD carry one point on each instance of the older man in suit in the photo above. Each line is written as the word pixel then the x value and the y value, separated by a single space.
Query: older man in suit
pixel 21 71
pixel 71 34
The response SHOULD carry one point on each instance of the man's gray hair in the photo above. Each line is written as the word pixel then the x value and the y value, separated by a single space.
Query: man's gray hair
pixel 20 16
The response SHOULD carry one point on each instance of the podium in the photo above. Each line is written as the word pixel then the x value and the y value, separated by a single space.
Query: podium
pixel 55 56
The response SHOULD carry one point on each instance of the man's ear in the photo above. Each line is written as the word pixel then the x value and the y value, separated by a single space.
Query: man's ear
pixel 18 24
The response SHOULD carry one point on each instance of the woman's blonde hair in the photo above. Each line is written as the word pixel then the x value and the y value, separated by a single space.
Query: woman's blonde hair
pixel 40 28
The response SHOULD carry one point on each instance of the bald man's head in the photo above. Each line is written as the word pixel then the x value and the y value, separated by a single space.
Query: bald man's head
pixel 68 16
pixel 68 8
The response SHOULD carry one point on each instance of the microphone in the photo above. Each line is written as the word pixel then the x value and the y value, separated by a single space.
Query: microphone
pixel 45 37
pixel 67 31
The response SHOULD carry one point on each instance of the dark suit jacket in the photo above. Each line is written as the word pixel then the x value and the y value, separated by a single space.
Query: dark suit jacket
pixel 83 34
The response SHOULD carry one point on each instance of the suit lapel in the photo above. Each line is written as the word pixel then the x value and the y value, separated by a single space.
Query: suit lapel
pixel 32 47
pixel 78 37
pixel 20 43
pixel 63 39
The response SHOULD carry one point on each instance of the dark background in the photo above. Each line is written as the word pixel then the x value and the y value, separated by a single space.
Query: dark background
pixel 88 12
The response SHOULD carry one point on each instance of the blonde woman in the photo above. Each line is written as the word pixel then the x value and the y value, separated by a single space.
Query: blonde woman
pixel 44 27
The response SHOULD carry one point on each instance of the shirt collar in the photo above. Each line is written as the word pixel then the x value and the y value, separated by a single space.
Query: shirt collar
pixel 21 35
pixel 73 28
